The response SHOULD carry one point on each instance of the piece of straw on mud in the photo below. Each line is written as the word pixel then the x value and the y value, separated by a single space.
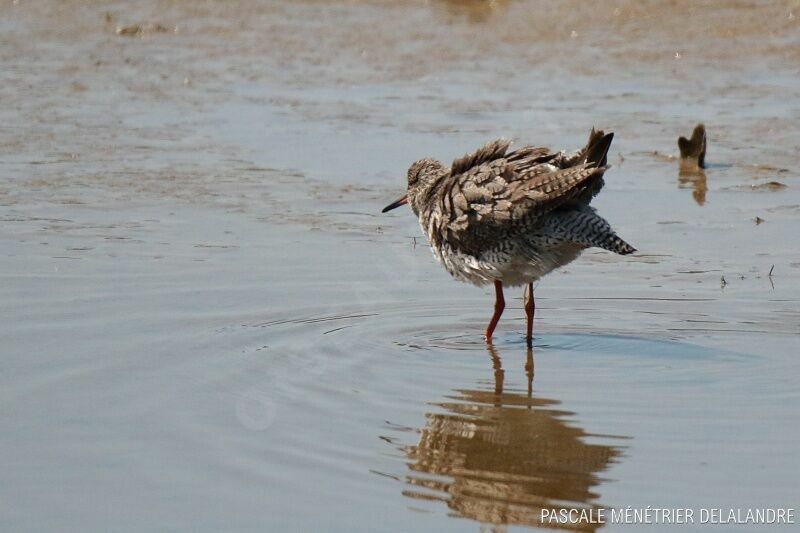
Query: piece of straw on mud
pixel 769 186
pixel 694 149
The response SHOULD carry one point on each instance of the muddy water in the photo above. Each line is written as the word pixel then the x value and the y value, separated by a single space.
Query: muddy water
pixel 207 324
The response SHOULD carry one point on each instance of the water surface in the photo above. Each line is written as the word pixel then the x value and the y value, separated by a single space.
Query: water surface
pixel 207 324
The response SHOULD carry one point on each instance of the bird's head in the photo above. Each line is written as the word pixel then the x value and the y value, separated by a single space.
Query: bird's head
pixel 422 176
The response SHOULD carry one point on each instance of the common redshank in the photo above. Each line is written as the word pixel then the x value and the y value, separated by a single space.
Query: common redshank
pixel 509 218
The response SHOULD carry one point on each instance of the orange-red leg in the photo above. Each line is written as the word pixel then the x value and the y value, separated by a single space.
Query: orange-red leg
pixel 530 309
pixel 499 305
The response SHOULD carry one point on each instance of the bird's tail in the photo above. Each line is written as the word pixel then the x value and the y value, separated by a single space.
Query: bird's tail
pixel 585 227
pixel 613 243
pixel 596 151
pixel 595 154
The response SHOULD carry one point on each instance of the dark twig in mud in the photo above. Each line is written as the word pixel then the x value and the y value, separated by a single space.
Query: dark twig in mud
pixel 692 163
pixel 769 276
pixel 694 150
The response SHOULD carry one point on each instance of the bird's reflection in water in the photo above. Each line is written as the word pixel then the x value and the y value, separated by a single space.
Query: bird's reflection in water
pixel 500 457
pixel 690 175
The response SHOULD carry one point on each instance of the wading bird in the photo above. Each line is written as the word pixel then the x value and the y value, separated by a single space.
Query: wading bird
pixel 509 218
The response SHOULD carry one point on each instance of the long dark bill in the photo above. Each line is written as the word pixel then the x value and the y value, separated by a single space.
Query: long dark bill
pixel 400 201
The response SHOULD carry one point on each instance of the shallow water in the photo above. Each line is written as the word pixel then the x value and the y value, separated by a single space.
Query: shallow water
pixel 207 323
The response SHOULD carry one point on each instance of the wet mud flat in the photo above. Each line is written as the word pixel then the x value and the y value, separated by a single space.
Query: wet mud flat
pixel 207 323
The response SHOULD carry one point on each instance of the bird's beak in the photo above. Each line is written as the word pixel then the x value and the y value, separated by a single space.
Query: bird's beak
pixel 400 201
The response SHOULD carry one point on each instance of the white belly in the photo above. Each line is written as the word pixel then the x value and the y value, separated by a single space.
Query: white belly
pixel 519 265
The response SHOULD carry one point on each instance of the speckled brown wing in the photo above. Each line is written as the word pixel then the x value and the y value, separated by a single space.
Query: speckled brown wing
pixel 501 196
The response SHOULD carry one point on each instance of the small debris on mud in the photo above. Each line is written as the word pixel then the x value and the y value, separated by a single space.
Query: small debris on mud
pixel 768 186
pixel 136 30
pixel 758 220
pixel 769 168
pixel 666 158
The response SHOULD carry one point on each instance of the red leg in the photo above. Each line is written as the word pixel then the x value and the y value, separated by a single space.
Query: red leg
pixel 499 305
pixel 530 308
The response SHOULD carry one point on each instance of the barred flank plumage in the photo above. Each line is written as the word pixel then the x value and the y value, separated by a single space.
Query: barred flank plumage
pixel 584 226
